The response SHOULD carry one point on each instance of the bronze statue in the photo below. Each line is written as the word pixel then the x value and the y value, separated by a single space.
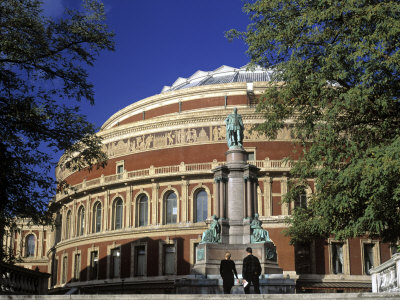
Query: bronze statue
pixel 234 130
pixel 212 234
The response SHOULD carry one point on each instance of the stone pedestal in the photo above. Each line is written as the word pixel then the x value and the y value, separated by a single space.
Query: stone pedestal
pixel 236 196
pixel 209 256
pixel 235 207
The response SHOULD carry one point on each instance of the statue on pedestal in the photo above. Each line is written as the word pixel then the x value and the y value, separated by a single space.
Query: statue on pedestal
pixel 234 129
pixel 212 234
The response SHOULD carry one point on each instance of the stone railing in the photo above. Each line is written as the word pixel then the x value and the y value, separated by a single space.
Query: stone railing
pixel 386 277
pixel 175 170
pixel 20 281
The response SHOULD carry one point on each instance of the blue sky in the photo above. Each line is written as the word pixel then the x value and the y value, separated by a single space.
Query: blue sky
pixel 158 41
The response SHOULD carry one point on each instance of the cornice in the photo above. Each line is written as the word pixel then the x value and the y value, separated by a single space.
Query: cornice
pixel 210 116
pixel 198 92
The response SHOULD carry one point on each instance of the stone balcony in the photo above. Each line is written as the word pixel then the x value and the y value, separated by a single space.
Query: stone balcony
pixel 182 169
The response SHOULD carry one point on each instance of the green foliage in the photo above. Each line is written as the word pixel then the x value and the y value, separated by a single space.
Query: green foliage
pixel 42 74
pixel 337 69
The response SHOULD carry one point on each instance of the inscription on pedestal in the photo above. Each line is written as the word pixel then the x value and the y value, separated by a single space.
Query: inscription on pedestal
pixel 235 196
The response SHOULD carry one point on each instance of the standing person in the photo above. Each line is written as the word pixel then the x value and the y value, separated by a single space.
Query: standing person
pixel 227 269
pixel 251 271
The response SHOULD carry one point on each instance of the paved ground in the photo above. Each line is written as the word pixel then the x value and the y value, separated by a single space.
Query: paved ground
pixel 369 296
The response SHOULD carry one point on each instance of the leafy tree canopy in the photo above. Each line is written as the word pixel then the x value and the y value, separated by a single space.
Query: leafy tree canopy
pixel 338 68
pixel 43 77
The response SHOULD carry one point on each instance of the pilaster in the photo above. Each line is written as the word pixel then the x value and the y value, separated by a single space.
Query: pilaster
pixel 73 221
pixel 106 209
pixel 284 187
pixel 185 200
pixel 129 206
pixel 268 196
pixel 154 207
pixel 87 215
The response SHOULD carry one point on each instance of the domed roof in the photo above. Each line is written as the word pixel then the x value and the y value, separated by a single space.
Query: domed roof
pixel 223 74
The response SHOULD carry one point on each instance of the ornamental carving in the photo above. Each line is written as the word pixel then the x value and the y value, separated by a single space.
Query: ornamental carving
pixel 178 137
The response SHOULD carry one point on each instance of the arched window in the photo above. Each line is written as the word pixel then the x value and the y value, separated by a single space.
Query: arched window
pixel 81 221
pixel 68 225
pixel 117 213
pixel 142 208
pixel 201 201
pixel 96 225
pixel 171 211
pixel 30 245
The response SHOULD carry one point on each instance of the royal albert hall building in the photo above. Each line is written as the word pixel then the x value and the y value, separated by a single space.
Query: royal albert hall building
pixel 134 225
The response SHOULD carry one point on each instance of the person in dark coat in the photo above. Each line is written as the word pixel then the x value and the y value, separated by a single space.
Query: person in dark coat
pixel 251 271
pixel 227 269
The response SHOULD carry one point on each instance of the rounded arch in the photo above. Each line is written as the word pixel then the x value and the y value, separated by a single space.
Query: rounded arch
pixel 142 200
pixel 81 222
pixel 200 186
pixel 170 198
pixel 30 240
pixel 68 224
pixel 97 216
pixel 117 212
pixel 140 193
pixel 201 202
pixel 168 190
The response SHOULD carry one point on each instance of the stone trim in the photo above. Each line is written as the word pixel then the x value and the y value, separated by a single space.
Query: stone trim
pixel 346 256
pixel 63 272
pixel 193 242
pixel 163 199
pixel 88 268
pixel 74 253
pixel 377 253
pixel 193 203
pixel 152 173
pixel 109 250
pixel 135 214
pixel 133 258
pixel 161 255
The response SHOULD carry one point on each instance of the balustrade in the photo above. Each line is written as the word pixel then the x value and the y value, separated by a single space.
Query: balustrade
pixel 16 280
pixel 181 169
pixel 386 277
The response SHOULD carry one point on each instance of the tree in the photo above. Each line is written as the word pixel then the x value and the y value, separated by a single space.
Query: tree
pixel 43 77
pixel 337 73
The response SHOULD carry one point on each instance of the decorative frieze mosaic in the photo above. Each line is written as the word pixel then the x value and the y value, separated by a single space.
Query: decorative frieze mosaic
pixel 175 138
pixel 180 137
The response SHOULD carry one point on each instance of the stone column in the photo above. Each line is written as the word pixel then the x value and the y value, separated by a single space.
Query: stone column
pixel 154 209
pixel 284 206
pixel 129 206
pixel 87 217
pixel 268 196
pixel 249 199
pixel 63 213
pixel 217 198
pixel 185 200
pixel 222 203
pixel 106 208
pixel 73 221
pixel 40 243
pixel 236 162
pixel 256 208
